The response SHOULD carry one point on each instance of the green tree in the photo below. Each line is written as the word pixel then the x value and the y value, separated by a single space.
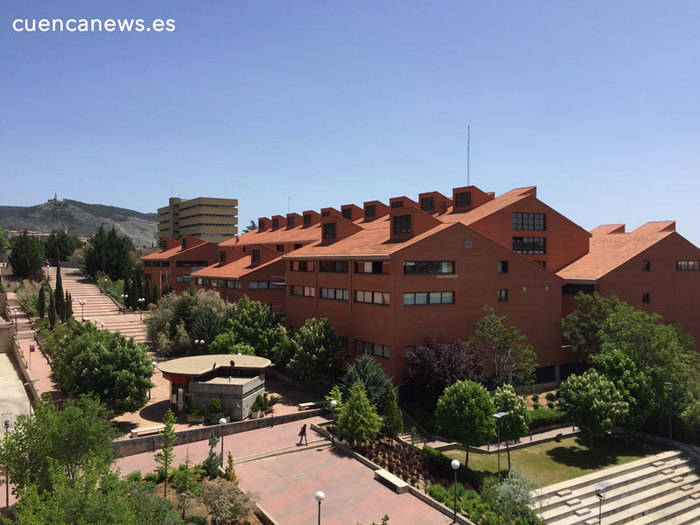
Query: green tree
pixel 108 252
pixel 251 227
pixel 371 374
pixel 335 394
pixel 213 460
pixel 512 498
pixel 26 255
pixel 116 370
pixel 59 298
pixel 226 343
pixel 52 310
pixel 582 327
pixel 358 420
pixel 230 471
pixel 393 419
pixel 41 303
pixel 465 412
pixel 186 484
pixel 68 306
pixel 70 439
pixel 504 350
pixel 592 402
pixel 315 351
pixel 515 424
pixel 4 243
pixel 165 456
pixel 60 245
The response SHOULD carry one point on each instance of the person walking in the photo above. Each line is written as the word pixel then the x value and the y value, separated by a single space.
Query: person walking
pixel 302 435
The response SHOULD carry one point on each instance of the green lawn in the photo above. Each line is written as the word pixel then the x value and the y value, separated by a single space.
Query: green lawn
pixel 553 462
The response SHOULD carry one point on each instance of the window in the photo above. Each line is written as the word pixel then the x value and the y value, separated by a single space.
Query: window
pixel 503 295
pixel 413 298
pixel 258 285
pixel 290 221
pixel 529 221
pixel 261 225
pixel 222 257
pixel 307 219
pixel 374 349
pixel 336 294
pixel 329 230
pixel 202 282
pixel 325 213
pixel 347 213
pixel 370 211
pixel 428 267
pixel 397 204
pixel 184 243
pixel 687 266
pixel 301 266
pixel 217 283
pixel 536 245
pixel 297 246
pixel 333 266
pixel 302 291
pixel 427 203
pixel 402 224
pixel 275 223
pixel 646 266
pixel 233 284
pixel 463 199
pixel 256 256
pixel 646 298
pixel 280 247
pixel 502 266
pixel 372 267
pixel 371 297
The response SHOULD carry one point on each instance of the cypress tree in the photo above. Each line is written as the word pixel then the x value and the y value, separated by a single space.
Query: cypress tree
pixel 68 307
pixel 52 311
pixel 59 298
pixel 41 303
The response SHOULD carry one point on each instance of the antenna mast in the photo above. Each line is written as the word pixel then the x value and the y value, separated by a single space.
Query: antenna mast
pixel 468 150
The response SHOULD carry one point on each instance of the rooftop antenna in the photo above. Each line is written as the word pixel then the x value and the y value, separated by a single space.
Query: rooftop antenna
pixel 289 201
pixel 468 150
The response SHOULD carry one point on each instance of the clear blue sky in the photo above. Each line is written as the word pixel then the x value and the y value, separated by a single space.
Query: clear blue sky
pixel 596 103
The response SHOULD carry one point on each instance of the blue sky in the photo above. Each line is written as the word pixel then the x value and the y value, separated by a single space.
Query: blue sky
pixel 596 103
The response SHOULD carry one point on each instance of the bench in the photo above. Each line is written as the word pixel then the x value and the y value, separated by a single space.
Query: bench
pixel 309 405
pixel 394 482
pixel 145 431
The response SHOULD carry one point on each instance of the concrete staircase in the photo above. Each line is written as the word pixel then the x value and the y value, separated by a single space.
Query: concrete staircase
pixel 99 308
pixel 664 488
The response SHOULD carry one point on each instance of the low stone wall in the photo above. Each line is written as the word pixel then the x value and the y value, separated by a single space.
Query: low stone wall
pixel 17 359
pixel 6 330
pixel 129 447
pixel 666 443
pixel 263 516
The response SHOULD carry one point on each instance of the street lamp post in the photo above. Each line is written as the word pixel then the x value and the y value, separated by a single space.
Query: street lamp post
pixel 125 296
pixel 668 386
pixel 499 416
pixel 455 467
pixel 31 350
pixel 82 310
pixel 334 404
pixel 319 497
pixel 600 490
pixel 141 302
pixel 154 365
pixel 222 422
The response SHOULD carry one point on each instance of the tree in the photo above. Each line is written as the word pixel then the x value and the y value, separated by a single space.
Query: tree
pixel 251 227
pixel 4 242
pixel 116 370
pixel 186 484
pixel 335 394
pixel 592 402
pixel 68 306
pixel 393 419
pixel 358 420
pixel 505 350
pixel 465 412
pixel 581 328
pixel 26 256
pixel 213 460
pixel 69 439
pixel 52 310
pixel 164 457
pixel 371 374
pixel 315 351
pixel 515 423
pixel 60 245
pixel 109 253
pixel 512 498
pixel 59 298
pixel 432 367
pixel 226 502
pixel 41 303
pixel 230 472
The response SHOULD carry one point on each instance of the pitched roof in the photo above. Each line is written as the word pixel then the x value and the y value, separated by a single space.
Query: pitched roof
pixel 298 234
pixel 233 270
pixel 611 247
pixel 166 254
pixel 489 208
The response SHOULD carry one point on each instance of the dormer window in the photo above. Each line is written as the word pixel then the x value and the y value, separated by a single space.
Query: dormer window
pixel 370 211
pixel 275 223
pixel 329 230
pixel 325 213
pixel 184 244
pixel 347 213
pixel 397 204
pixel 222 257
pixel 307 219
pixel 463 199
pixel 256 256
pixel 402 224
pixel 290 222
pixel 427 203
pixel 261 225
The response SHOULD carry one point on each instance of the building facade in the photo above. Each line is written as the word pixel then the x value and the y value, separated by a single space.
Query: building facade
pixel 208 218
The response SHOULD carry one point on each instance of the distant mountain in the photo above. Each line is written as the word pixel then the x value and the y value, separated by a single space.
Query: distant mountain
pixel 81 219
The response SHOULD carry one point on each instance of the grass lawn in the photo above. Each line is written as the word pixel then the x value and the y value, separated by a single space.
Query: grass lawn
pixel 552 462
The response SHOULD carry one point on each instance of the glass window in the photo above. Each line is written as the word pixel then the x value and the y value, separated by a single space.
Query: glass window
pixel 307 219
pixel 434 297
pixel 402 224
pixel 409 299
pixel 448 297
pixel 275 223
pixel 377 267
pixel 256 256
pixel 427 203
pixel 329 230
pixel 333 266
pixel 397 204
pixel 290 221
pixel 529 221
pixel 503 295
pixel 687 266
pixel 502 266
pixel 530 245
pixel 370 211
pixel 646 266
pixel 646 298
pixel 428 267
pixel 347 213
pixel 463 199
pixel 261 225
pixel 421 298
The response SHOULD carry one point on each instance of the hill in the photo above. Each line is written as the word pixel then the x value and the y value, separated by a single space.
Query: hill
pixel 81 219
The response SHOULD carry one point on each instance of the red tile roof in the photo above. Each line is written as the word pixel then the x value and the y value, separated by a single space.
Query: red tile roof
pixel 610 247
pixel 167 254
pixel 489 208
pixel 233 270
pixel 298 234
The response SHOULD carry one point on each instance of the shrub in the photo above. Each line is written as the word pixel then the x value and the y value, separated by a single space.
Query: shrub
pixel 550 405
pixel 439 464
pixel 438 493
pixel 196 519
pixel 546 417
pixel 550 396
pixel 535 398
pixel 134 476
pixel 152 477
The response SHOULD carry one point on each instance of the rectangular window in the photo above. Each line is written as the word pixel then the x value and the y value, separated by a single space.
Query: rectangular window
pixel 202 282
pixel 333 266
pixel 259 285
pixel 646 298
pixel 428 267
pixel 427 203
pixel 302 291
pixel 463 199
pixel 375 349
pixel 347 213
pixel 402 224
pixel 362 296
pixel 261 225
pixel 502 266
pixel 301 266
pixel 290 222
pixel 370 211
pixel 325 214
pixel 307 219
pixel 529 221
pixel 217 283
pixel 397 204
pixel 530 245
pixel 233 284
pixel 280 247
pixel 687 266
pixel 256 256
pixel 222 257
pixel 335 294
pixel 329 230
pixel 421 298
pixel 372 267
pixel 503 295
pixel 646 266
pixel 275 223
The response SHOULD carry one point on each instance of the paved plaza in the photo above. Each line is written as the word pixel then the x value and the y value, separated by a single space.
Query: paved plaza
pixel 13 400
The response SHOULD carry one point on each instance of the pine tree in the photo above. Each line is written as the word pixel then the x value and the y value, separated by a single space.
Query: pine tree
pixel 393 421
pixel 358 420
pixel 230 472
pixel 41 303
pixel 165 456
pixel 58 295
pixel 52 310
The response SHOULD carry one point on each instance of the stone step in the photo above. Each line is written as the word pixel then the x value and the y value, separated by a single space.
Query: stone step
pixel 659 510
